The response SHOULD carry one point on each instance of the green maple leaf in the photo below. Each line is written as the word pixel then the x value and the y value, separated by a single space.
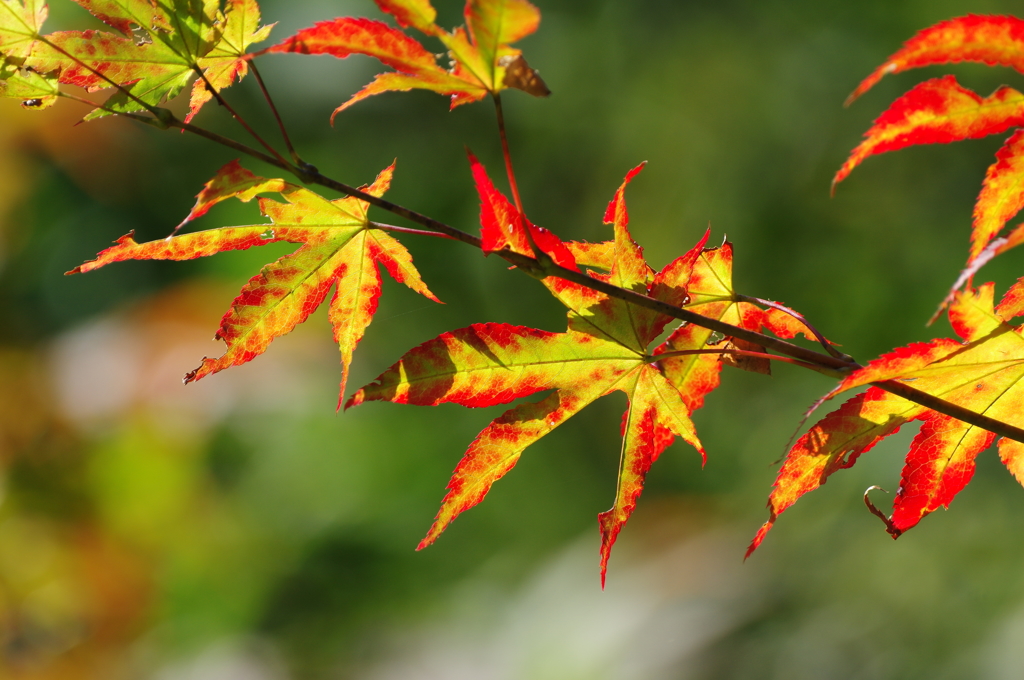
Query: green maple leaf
pixel 159 47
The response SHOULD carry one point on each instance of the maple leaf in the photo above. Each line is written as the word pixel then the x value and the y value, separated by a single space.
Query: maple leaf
pixel 604 349
pixel 20 22
pixel 989 40
pixel 482 60
pixel 943 111
pixel 983 373
pixel 937 111
pixel 225 62
pixel 161 47
pixel 711 294
pixel 340 249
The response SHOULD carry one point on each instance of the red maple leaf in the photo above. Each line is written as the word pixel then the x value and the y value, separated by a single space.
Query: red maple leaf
pixel 481 60
pixel 604 349
pixel 941 111
pixel 982 372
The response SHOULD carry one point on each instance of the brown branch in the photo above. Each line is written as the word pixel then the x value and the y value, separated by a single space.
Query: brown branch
pixel 822 363
pixel 736 352
pixel 952 410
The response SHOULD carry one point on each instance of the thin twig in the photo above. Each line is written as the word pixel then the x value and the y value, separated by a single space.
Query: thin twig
pixel 148 120
pixel 231 144
pixel 273 109
pixel 82 100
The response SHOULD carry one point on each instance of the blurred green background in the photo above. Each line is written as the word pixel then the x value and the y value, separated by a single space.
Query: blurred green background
pixel 239 529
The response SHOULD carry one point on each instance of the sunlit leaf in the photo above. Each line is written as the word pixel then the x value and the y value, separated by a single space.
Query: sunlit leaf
pixel 480 53
pixel 983 372
pixel 340 250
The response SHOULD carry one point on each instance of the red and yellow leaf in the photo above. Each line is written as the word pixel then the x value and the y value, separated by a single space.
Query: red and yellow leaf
pixel 339 249
pixel 502 226
pixel 937 111
pixel 1012 304
pixel 480 56
pixel 493 25
pixel 940 111
pixel 225 63
pixel 122 15
pixel 983 373
pixel 419 14
pixel 992 40
pixel 1002 194
pixel 833 443
pixel 604 349
pixel 711 294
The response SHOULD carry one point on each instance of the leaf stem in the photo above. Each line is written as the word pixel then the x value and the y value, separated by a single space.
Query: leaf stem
pixel 232 144
pixel 825 342
pixel 273 109
pixel 234 114
pixel 407 230
pixel 507 154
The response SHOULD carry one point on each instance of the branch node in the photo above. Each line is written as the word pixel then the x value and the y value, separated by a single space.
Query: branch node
pixel 164 118
pixel 307 172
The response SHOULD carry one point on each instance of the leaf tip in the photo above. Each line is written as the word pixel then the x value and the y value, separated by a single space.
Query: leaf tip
pixel 203 369
pixel 609 532
pixel 356 399
pixel 605 554
pixel 634 172
pixel 436 529
pixel 761 533
pixel 890 526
